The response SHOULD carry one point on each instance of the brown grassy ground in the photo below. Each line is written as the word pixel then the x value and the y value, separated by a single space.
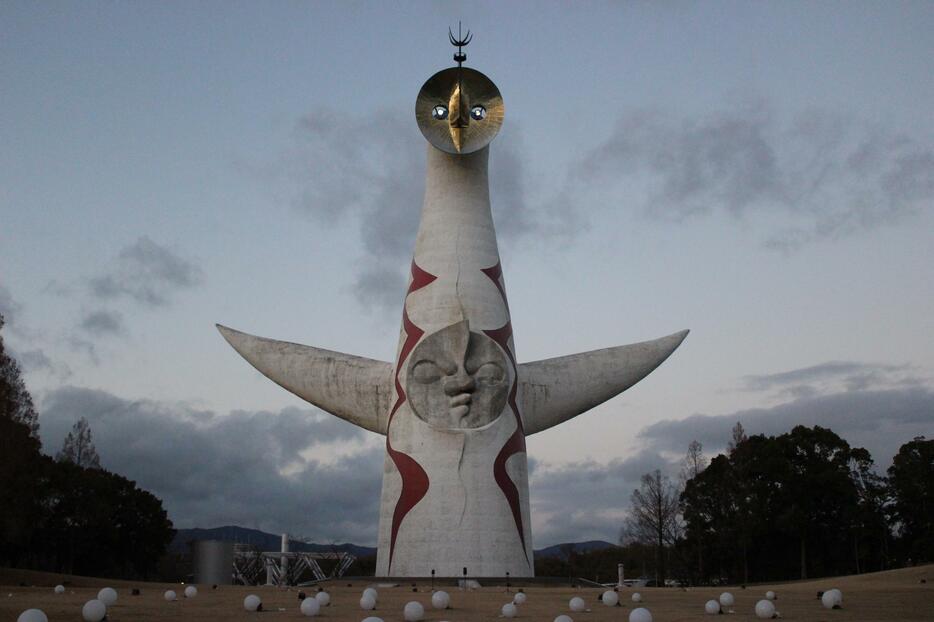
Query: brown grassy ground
pixel 885 596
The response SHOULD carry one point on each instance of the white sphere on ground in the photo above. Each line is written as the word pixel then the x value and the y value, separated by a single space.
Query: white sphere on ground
pixel 252 603
pixel 520 598
pixel 169 595
pixel 191 591
pixel 108 596
pixel 59 589
pixel 310 607
pixel 712 607
pixel 577 604
pixel 323 598
pixel 640 615
pixel 726 599
pixel 32 615
pixel 367 602
pixel 831 598
pixel 413 611
pixel 610 598
pixel 509 610
pixel 93 611
pixel 372 619
pixel 765 609
pixel 371 591
pixel 440 600
pixel 563 618
pixel 637 597
pixel 770 595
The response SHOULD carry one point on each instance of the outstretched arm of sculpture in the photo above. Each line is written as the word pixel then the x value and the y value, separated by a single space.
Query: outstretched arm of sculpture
pixel 354 388
pixel 558 389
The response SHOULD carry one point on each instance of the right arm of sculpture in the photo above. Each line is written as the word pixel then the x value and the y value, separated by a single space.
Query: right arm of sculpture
pixel 354 388
pixel 555 390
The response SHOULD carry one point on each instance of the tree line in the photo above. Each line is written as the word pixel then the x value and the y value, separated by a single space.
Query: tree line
pixel 797 505
pixel 67 514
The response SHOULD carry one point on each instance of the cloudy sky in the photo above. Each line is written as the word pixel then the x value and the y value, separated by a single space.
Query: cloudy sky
pixel 761 173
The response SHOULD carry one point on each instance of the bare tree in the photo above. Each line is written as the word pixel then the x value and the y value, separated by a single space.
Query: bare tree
pixel 654 516
pixel 737 436
pixel 78 447
pixel 694 462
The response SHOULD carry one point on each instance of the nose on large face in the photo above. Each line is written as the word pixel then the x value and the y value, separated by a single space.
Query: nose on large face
pixel 459 383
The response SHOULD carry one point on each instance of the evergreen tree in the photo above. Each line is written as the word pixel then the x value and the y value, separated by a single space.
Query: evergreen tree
pixel 912 485
pixel 78 447
pixel 15 401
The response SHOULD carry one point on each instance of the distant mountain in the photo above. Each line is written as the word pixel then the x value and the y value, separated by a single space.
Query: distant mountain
pixel 272 542
pixel 561 550
pixel 262 540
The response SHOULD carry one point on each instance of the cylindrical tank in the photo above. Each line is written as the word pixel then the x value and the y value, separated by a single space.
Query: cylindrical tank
pixel 213 562
pixel 622 574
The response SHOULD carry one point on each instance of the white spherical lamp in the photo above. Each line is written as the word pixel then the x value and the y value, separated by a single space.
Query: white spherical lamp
pixel 108 596
pixel 726 599
pixel 252 603
pixel 831 598
pixel 59 589
pixel 372 619
pixel 440 600
pixel 93 611
pixel 371 591
pixel 520 598
pixel 640 615
pixel 323 598
pixel 169 595
pixel 637 597
pixel 310 607
pixel 577 604
pixel 563 618
pixel 367 602
pixel 765 609
pixel 610 598
pixel 191 591
pixel 770 595
pixel 509 610
pixel 712 607
pixel 32 615
pixel 413 611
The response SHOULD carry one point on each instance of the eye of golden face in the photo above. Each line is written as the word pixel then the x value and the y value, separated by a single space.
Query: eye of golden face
pixel 459 110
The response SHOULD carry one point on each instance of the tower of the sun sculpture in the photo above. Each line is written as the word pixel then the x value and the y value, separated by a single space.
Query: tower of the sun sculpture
pixel 455 405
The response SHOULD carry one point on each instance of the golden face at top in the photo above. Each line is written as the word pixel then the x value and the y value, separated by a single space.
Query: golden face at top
pixel 459 110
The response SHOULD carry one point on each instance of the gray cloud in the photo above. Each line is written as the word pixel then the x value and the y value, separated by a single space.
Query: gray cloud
pixel 102 323
pixel 827 176
pixel 832 376
pixel 254 469
pixel 373 171
pixel 879 420
pixel 147 273
pixel 258 469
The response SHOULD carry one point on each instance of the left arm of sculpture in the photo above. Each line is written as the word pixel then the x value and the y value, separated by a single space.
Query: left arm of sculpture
pixel 558 389
pixel 354 388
